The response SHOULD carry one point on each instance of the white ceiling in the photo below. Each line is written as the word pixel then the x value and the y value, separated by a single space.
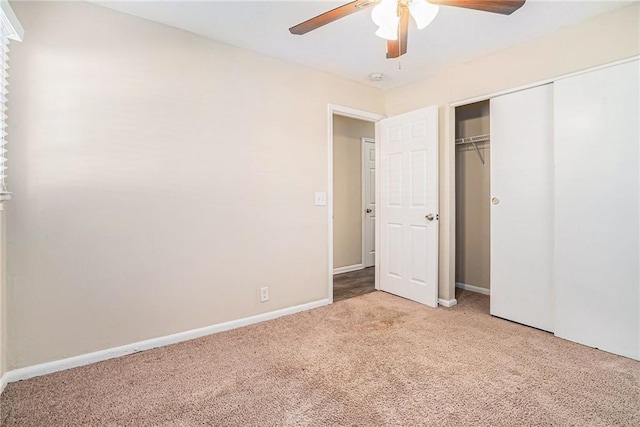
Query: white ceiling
pixel 348 47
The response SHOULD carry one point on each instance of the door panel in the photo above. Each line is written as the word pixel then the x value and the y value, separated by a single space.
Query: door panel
pixel 394 253
pixel 522 207
pixel 418 179
pixel 419 243
pixel 369 201
pixel 597 201
pixel 408 245
pixel 394 180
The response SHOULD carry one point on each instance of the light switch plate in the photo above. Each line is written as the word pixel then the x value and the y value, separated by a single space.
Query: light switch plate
pixel 321 198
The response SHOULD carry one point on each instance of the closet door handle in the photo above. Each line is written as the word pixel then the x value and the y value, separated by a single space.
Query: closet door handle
pixel 495 201
pixel 430 217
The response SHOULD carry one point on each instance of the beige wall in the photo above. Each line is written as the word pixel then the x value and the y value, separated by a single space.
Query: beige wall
pixel 600 40
pixel 347 189
pixel 160 180
pixel 473 181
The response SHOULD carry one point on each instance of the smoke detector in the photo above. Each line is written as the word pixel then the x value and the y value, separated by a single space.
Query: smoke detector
pixel 376 77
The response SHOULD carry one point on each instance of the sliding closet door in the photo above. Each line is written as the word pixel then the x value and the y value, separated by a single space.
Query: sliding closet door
pixel 597 206
pixel 522 207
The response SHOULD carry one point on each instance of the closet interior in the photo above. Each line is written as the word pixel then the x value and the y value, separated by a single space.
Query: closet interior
pixel 473 192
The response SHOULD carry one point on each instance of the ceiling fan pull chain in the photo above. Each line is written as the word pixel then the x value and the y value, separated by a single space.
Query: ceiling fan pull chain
pixel 399 65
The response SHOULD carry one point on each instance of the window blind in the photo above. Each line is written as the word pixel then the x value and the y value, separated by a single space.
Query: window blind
pixel 10 29
pixel 4 63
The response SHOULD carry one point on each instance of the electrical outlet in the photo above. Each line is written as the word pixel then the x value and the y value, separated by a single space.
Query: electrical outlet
pixel 264 294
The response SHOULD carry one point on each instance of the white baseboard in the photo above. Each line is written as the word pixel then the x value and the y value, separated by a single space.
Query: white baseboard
pixel 111 353
pixel 3 382
pixel 447 302
pixel 471 288
pixel 348 268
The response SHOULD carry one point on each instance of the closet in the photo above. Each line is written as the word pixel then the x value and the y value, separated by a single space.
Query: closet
pixel 473 185
pixel 563 206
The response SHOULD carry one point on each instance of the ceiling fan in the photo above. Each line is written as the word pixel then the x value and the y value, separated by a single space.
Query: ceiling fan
pixel 392 16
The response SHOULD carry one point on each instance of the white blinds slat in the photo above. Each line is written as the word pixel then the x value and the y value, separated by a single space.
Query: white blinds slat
pixel 10 28
pixel 4 63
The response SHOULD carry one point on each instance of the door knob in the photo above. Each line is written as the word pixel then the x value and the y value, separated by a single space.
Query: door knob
pixel 495 200
pixel 429 217
pixel 368 211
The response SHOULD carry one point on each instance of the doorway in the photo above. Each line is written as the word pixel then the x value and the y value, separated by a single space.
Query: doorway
pixel 406 200
pixel 473 192
pixel 353 207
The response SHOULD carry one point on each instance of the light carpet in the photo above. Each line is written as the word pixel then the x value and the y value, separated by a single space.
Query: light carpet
pixel 373 360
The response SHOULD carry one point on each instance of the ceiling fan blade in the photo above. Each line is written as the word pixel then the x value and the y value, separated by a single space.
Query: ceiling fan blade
pixel 504 7
pixel 330 16
pixel 396 48
pixel 393 49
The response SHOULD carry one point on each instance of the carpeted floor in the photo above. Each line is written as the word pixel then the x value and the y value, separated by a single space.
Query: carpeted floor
pixel 368 361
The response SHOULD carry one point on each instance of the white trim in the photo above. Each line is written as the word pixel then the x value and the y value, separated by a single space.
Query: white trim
pixel 471 288
pixel 354 114
pixel 348 268
pixel 447 302
pixel 111 353
pixel 3 382
pixel 363 148
pixel 377 224
pixel 11 21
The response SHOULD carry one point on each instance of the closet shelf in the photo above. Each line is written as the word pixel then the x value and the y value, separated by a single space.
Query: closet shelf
pixel 475 140
pixel 472 139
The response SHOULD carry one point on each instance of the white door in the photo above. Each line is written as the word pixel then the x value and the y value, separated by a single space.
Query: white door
pixel 597 203
pixel 522 207
pixel 369 201
pixel 408 205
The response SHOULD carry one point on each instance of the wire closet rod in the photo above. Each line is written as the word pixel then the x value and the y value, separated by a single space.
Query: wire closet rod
pixel 474 140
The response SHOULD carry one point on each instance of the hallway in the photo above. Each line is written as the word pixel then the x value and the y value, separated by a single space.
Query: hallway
pixel 353 284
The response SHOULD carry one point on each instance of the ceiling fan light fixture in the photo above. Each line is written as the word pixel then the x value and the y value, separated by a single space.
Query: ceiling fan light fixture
pixel 388 33
pixel 423 12
pixel 392 16
pixel 385 16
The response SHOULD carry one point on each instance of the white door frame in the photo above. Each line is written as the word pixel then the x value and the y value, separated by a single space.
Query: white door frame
pixel 354 114
pixel 364 141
